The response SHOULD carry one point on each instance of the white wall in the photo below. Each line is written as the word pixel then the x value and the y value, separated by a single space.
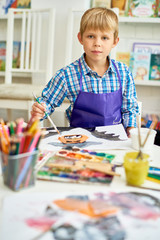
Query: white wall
pixel 62 8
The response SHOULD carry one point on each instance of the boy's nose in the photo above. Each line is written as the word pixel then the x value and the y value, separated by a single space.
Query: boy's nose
pixel 97 42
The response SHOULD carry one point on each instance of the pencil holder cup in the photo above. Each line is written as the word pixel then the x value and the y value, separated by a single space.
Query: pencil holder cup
pixel 18 170
pixel 143 132
pixel 136 169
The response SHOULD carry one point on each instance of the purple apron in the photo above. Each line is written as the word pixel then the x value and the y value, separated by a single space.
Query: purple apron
pixel 92 109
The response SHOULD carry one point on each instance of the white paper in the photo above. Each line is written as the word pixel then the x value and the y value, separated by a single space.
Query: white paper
pixel 19 209
pixel 53 144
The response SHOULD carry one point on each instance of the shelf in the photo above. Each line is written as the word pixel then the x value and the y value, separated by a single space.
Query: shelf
pixel 148 83
pixel 17 74
pixel 121 19
pixel 138 20
pixel 5 17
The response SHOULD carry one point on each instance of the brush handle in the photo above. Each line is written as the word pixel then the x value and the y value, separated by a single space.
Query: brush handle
pixel 47 115
pixel 53 124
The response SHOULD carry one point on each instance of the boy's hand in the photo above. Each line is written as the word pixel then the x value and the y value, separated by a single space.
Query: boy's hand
pixel 38 110
pixel 128 131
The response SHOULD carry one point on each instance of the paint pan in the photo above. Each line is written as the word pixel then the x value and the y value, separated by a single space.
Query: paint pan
pixel 106 157
pixel 85 155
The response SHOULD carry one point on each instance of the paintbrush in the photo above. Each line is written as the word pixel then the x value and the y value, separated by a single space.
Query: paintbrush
pixel 150 128
pixel 145 140
pixel 47 115
pixel 139 141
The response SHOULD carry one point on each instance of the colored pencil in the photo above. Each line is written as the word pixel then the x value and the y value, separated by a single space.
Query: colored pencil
pixel 19 129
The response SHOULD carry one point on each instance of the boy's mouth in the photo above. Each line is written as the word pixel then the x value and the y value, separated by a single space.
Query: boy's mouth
pixel 96 52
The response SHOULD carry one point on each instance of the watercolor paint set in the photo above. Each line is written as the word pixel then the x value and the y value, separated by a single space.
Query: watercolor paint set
pixel 73 175
pixel 81 169
pixel 86 155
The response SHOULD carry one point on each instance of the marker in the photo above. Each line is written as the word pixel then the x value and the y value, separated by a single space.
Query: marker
pixel 47 115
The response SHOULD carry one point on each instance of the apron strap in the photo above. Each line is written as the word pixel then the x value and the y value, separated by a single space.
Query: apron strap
pixel 119 78
pixel 80 75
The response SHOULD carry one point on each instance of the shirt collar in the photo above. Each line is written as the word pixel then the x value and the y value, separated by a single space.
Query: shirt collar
pixel 111 66
pixel 87 69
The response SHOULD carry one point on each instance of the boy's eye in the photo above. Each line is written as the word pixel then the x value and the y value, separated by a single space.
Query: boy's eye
pixel 104 38
pixel 90 36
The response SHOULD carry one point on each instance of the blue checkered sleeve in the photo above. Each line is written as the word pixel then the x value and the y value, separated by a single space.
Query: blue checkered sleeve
pixel 129 100
pixel 54 92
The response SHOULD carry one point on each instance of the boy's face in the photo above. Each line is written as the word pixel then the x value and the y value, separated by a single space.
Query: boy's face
pixel 97 44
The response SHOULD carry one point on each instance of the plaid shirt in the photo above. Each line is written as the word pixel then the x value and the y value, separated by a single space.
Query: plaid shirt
pixel 65 84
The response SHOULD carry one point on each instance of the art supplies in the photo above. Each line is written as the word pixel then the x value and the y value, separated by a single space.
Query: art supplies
pixel 18 170
pixel 154 170
pixel 147 138
pixel 100 214
pixel 43 158
pixel 86 155
pixel 70 166
pixel 71 174
pixel 19 152
pixel 136 169
pixel 47 115
pixel 154 174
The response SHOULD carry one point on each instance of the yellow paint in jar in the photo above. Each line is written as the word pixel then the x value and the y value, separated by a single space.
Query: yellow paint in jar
pixel 136 169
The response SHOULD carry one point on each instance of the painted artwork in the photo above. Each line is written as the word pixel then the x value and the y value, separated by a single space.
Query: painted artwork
pixel 96 215
pixel 105 137
pixel 72 139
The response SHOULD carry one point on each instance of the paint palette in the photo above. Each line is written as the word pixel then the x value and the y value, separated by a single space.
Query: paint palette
pixel 61 169
pixel 69 174
pixel 104 156
pixel 85 155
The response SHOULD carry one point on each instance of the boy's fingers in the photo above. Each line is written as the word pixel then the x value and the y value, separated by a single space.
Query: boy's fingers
pixel 44 105
pixel 38 107
pixel 38 115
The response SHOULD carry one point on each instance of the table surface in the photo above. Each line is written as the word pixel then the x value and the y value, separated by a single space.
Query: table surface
pixel 118 183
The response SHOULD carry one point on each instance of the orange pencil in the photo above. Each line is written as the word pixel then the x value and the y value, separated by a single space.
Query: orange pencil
pixel 28 140
pixel 5 132
pixel 4 145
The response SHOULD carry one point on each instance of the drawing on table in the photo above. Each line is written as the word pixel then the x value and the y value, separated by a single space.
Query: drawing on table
pixel 106 135
pixel 80 145
pixel 30 216
pixel 74 138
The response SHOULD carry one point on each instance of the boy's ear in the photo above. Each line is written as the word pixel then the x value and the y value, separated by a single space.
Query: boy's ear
pixel 79 38
pixel 115 42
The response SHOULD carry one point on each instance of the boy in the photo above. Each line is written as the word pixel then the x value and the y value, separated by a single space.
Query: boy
pixel 101 91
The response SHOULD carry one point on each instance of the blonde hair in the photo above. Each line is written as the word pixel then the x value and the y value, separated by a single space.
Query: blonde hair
pixel 99 19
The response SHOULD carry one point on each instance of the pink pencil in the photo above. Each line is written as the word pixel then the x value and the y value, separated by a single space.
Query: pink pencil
pixel 34 142
pixel 22 144
pixel 20 125
pixel 28 177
